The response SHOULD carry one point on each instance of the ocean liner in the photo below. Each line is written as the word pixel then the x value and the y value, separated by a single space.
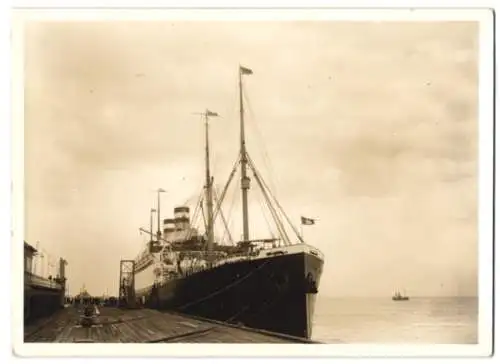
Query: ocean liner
pixel 269 284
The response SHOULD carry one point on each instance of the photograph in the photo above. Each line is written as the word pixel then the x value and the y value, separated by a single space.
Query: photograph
pixel 238 177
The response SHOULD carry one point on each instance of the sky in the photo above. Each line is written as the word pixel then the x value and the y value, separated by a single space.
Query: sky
pixel 368 127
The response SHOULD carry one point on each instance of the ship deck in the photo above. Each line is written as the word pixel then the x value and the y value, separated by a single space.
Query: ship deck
pixel 115 325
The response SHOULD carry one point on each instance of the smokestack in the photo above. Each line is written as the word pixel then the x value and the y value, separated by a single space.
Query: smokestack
pixel 168 228
pixel 62 268
pixel 181 215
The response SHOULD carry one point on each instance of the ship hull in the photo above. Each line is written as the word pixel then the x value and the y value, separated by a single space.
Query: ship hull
pixel 275 293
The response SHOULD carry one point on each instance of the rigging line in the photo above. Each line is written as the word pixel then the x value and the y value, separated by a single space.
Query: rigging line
pixel 279 206
pixel 190 199
pixel 216 226
pixel 197 206
pixel 230 213
pixel 264 305
pixel 271 208
pixel 224 228
pixel 233 204
pixel 220 200
pixel 239 313
pixel 261 204
pixel 199 202
pixel 196 213
pixel 262 144
pixel 201 213
pixel 224 221
pixel 231 112
pixel 232 106
pixel 204 219
pixel 279 225
pixel 231 176
pixel 264 186
pixel 225 288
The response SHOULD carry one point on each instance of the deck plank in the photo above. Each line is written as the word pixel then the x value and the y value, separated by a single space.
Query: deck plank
pixel 115 325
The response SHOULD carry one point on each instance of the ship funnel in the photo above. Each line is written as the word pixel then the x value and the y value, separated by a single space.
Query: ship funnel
pixel 168 228
pixel 181 215
pixel 62 271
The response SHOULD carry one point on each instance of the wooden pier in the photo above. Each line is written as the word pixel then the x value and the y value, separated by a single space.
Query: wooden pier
pixel 115 325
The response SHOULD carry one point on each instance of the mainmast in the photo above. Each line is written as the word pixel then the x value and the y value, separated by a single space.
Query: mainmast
pixel 209 185
pixel 245 180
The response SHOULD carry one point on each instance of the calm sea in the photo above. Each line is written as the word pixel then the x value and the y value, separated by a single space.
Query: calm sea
pixel 381 320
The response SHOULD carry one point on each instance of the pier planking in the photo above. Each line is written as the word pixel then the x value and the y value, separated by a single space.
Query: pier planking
pixel 115 325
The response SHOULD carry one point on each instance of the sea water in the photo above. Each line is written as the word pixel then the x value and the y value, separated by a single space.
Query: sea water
pixel 381 320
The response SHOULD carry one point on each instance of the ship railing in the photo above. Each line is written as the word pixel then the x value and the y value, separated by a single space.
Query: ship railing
pixel 242 256
pixel 142 261
pixel 35 280
pixel 220 259
pixel 187 271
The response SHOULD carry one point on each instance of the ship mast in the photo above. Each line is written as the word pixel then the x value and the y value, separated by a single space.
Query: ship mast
pixel 208 184
pixel 210 218
pixel 245 180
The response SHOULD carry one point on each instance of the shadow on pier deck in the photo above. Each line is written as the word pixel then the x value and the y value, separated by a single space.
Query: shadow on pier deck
pixel 114 325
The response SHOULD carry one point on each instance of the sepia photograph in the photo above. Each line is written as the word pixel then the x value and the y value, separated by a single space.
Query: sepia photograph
pixel 266 177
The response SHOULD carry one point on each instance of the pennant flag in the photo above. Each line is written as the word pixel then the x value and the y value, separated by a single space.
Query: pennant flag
pixel 307 221
pixel 245 71
pixel 211 113
pixel 161 190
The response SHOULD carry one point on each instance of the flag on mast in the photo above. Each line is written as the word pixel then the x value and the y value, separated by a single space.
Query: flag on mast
pixel 211 113
pixel 245 71
pixel 307 221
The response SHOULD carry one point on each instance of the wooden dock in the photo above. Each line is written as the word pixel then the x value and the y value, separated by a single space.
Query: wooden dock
pixel 114 325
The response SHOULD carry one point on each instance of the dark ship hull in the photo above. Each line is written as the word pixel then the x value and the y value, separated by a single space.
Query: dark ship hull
pixel 275 293
pixel 400 299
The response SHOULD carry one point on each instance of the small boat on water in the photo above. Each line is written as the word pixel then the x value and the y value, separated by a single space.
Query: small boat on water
pixel 400 297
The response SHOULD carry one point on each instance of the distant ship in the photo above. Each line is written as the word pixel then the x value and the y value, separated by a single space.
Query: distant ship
pixel 269 284
pixel 400 297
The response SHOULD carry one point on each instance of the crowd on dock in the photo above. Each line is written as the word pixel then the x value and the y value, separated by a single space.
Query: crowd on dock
pixel 89 300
